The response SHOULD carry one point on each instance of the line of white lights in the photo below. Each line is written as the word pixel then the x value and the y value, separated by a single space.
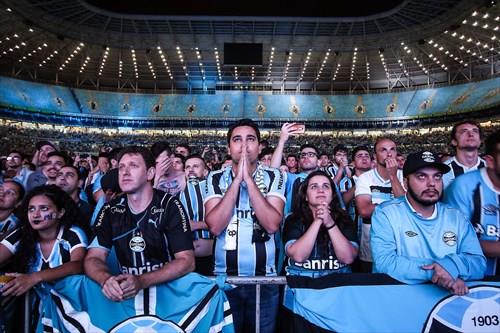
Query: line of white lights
pixel 84 64
pixel 217 61
pixel 200 63
pixel 353 66
pixel 306 62
pixel 287 66
pixel 71 56
pixel 269 70
pixel 181 59
pixel 253 73
pixel 134 62
pixel 49 58
pixel 382 60
pixel 152 69
pixel 120 68
pixel 103 61
pixel 165 62
pixel 336 72
pixel 323 64
pixel 236 73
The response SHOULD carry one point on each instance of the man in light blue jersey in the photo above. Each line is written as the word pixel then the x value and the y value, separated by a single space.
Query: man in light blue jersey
pixel 244 207
pixel 417 238
pixel 477 195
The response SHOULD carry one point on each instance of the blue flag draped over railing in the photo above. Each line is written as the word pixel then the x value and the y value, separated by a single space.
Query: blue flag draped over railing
pixel 192 303
pixel 376 303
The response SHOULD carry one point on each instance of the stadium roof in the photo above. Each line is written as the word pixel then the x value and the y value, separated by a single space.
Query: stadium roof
pixel 306 45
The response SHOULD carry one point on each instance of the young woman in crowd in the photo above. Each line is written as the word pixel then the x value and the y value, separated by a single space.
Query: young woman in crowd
pixel 49 245
pixel 319 236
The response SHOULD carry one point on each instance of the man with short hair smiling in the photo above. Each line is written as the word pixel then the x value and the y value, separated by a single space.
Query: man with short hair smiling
pixel 55 161
pixel 11 195
pixel 417 238
pixel 244 207
pixel 148 229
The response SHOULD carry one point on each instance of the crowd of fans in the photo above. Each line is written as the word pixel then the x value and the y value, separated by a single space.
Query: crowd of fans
pixel 283 203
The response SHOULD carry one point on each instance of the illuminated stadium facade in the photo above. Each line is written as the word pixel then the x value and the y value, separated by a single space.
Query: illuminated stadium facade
pixel 373 65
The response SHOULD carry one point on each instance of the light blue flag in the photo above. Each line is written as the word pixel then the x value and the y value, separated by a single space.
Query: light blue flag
pixel 192 303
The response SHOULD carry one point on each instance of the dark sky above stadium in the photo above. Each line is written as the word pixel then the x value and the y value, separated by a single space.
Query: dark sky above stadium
pixel 297 8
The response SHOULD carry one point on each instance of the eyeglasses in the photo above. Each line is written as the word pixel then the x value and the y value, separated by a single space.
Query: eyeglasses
pixel 309 154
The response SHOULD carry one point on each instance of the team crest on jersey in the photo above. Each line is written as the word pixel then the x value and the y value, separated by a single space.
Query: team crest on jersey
pixel 137 244
pixel 146 323
pixel 450 238
pixel 410 233
pixel 475 312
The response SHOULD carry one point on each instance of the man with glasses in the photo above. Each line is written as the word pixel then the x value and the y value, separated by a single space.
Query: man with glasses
pixel 477 195
pixel 11 195
pixel 308 162
pixel 15 168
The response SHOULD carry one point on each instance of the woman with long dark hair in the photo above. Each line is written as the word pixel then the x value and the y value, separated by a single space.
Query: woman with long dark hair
pixel 319 236
pixel 50 243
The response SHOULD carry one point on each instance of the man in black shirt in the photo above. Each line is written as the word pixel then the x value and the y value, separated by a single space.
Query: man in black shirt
pixel 149 230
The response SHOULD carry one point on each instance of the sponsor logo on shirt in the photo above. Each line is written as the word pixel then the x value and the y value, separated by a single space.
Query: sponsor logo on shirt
pixel 321 264
pixel 141 269
pixel 490 209
pixel 450 238
pixel 410 233
pixel 117 210
pixel 155 210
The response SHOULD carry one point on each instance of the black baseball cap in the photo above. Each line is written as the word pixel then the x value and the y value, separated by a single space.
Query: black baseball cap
pixel 423 159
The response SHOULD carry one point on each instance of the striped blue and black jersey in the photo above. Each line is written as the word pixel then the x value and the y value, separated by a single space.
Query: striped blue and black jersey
pixel 67 240
pixel 247 257
pixel 143 242
pixel 7 225
pixel 474 194
pixel 457 169
pixel 192 200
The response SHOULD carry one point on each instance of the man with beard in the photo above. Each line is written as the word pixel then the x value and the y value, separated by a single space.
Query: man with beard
pixel 382 183
pixel 417 238
pixel 477 195
pixel 466 138
pixel 55 161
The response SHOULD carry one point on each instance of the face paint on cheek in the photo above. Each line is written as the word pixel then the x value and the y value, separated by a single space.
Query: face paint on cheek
pixel 49 216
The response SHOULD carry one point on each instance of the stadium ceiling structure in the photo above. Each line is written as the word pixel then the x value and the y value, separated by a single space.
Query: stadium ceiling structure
pixel 341 46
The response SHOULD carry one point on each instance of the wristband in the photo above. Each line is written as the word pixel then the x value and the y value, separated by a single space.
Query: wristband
pixel 333 225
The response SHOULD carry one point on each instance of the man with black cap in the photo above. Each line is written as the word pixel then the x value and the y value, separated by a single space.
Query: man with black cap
pixel 417 238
